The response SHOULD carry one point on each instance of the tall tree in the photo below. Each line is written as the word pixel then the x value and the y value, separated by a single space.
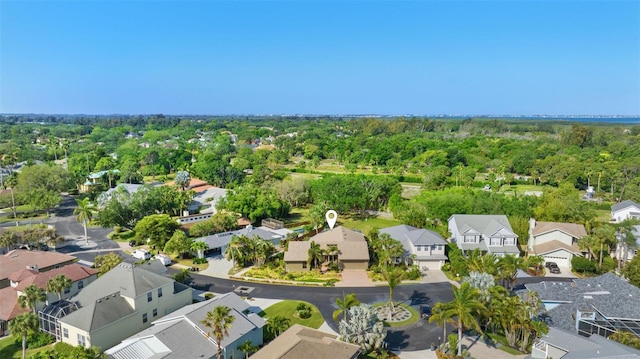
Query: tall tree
pixel 8 239
pixel 182 179
pixel 84 213
pixel 219 320
pixel 277 325
pixel 106 262
pixel 344 304
pixel 158 228
pixel 315 254
pixel 31 296
pixel 463 309
pixel 179 243
pixel 59 284
pixel 393 276
pixel 21 326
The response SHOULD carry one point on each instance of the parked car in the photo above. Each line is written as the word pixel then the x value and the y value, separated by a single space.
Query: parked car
pixel 133 243
pixel 425 311
pixel 164 259
pixel 553 267
pixel 141 253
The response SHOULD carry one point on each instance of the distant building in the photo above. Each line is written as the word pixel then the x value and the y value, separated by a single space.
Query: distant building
pixel 625 210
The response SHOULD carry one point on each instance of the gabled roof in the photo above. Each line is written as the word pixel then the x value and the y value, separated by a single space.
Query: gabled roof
pixel 298 251
pixel 183 333
pixel 337 235
pixel 128 280
pixel 302 342
pixel 75 272
pixel 610 295
pixel 624 204
pixel 99 313
pixel 18 259
pixel 417 236
pixel 9 307
pixel 222 239
pixel 351 245
pixel 572 229
pixel 554 245
pixel 593 347
pixel 486 224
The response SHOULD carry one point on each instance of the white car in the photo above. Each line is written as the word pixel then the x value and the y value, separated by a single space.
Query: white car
pixel 141 253
pixel 164 259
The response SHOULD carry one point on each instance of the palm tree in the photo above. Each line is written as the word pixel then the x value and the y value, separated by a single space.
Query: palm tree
pixel 199 247
pixel 84 211
pixel 315 254
pixel 627 238
pixel 247 347
pixel 464 307
pixel 59 284
pixel 278 324
pixel 332 252
pixel 22 325
pixel 182 179
pixel 31 296
pixel 219 320
pixel 508 268
pixel 393 276
pixel 604 235
pixel 438 314
pixel 344 304
pixel 8 239
pixel 234 251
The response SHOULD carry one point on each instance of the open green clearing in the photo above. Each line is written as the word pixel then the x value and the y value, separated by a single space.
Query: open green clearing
pixel 287 309
pixel 364 225
pixel 8 349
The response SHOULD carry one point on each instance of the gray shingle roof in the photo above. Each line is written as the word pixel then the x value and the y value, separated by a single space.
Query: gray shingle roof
pixel 128 280
pixel 624 204
pixel 99 313
pixel 487 224
pixel 220 240
pixel 611 296
pixel 594 347
pixel 423 237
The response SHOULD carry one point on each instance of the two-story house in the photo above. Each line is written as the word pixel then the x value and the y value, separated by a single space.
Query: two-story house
pixel 120 303
pixel 181 334
pixel 555 242
pixel 625 210
pixel 487 233
pixel 423 247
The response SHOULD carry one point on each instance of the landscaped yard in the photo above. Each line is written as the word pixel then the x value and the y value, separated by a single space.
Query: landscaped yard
pixel 310 276
pixel 415 316
pixel 365 225
pixel 8 349
pixel 287 309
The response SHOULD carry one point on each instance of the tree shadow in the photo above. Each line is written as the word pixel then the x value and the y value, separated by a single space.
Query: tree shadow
pixel 397 339
pixel 418 298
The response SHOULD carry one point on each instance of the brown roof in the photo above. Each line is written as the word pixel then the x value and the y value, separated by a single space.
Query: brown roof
pixel 351 250
pixel 298 251
pixel 337 235
pixel 75 272
pixel 19 259
pixel 572 229
pixel 194 184
pixel 554 245
pixel 9 307
pixel 303 342
pixel 22 274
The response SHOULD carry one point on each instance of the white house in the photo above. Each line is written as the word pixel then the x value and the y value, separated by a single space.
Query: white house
pixel 487 233
pixel 624 210
pixel 555 242
pixel 181 333
pixel 425 247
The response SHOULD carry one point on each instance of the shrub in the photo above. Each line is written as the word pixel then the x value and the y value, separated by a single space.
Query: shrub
pixel 581 265
pixel 414 273
pixel 63 349
pixel 304 314
pixel 608 264
pixel 199 260
pixel 331 282
pixel 302 306
pixel 36 340
pixel 208 295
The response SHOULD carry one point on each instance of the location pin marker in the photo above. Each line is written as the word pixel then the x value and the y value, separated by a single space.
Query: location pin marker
pixel 331 217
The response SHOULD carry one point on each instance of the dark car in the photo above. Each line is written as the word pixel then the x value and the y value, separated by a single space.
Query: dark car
pixel 425 311
pixel 133 243
pixel 553 267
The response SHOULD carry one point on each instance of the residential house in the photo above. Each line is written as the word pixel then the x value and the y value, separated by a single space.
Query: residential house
pixel 120 303
pixel 303 342
pixel 94 180
pixel 218 242
pixel 598 305
pixel 555 242
pixel 487 233
pixel 353 252
pixel 10 307
pixel 423 247
pixel 562 344
pixel 625 210
pixel 206 196
pixel 39 261
pixel 181 334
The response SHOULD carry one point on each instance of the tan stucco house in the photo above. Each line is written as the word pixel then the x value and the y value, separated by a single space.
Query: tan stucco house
pixel 120 303
pixel 555 242
pixel 353 252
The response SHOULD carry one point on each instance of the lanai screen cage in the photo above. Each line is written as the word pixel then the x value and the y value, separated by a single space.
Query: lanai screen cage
pixel 50 314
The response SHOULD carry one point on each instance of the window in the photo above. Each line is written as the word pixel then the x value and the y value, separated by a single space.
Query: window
pixel 439 247
pixel 81 340
pixel 159 292
pixel 509 241
pixel 65 332
pixel 304 265
pixel 80 284
pixel 149 296
pixel 144 318
pixel 495 241
pixel 155 312
pixel 469 239
pixel 419 248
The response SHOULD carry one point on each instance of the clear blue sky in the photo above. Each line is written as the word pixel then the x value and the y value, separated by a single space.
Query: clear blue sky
pixel 341 57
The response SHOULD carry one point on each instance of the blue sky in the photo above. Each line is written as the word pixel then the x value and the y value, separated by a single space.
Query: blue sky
pixel 330 57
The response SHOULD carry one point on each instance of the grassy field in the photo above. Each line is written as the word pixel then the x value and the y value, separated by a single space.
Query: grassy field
pixel 8 349
pixel 366 224
pixel 287 309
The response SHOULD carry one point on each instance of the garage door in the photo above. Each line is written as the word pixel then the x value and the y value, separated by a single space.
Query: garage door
pixel 428 265
pixel 561 260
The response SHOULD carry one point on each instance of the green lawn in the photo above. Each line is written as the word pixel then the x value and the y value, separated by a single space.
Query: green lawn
pixel 287 309
pixel 366 224
pixel 8 349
